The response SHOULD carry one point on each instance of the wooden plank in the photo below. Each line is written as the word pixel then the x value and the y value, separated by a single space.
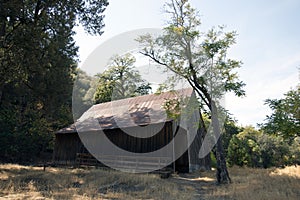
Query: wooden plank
pixel 125 162
pixel 114 157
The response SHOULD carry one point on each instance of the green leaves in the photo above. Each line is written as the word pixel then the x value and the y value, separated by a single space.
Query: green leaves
pixel 199 58
pixel 276 144
pixel 121 80
pixel 90 15
pixel 37 65
pixel 253 148
pixel 285 117
pixel 172 108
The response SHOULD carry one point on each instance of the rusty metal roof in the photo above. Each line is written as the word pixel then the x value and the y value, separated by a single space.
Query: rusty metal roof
pixel 130 112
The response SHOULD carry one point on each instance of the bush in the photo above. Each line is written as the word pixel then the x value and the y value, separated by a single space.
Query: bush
pixel 254 149
pixel 294 149
pixel 274 151
pixel 243 148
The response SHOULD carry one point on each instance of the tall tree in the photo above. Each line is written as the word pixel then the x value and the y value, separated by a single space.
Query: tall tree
pixel 37 62
pixel 200 59
pixel 121 80
pixel 31 31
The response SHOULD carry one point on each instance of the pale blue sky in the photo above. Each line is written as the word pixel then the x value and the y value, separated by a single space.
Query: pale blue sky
pixel 268 43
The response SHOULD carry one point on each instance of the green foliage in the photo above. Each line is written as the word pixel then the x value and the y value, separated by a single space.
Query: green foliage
pixel 37 66
pixel 24 134
pixel 285 117
pixel 295 151
pixel 253 148
pixel 277 143
pixel 243 148
pixel 198 58
pixel 32 32
pixel 274 151
pixel 143 89
pixel 213 160
pixel 173 108
pixel 230 130
pixel 121 80
pixel 83 93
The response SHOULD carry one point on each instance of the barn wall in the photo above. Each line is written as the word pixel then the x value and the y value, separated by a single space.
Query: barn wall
pixel 69 144
pixel 181 146
pixel 134 143
pixel 195 135
pixel 66 147
pixel 194 153
pixel 156 142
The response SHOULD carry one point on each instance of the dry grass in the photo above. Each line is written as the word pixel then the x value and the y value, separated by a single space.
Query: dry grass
pixel 259 184
pixel 23 182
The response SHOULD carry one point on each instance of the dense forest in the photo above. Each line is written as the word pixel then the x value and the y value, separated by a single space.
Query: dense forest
pixel 38 61
pixel 38 64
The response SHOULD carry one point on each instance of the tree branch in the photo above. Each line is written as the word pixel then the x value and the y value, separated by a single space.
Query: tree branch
pixel 164 64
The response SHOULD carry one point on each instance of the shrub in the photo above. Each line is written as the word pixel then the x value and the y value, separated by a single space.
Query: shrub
pixel 255 149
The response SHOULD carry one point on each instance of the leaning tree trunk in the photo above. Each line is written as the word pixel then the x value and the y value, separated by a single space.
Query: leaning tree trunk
pixel 222 172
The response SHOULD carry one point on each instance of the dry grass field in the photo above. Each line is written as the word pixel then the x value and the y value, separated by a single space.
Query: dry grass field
pixel 24 182
pixel 249 183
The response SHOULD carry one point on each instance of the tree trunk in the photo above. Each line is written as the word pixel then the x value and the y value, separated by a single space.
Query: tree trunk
pixel 222 172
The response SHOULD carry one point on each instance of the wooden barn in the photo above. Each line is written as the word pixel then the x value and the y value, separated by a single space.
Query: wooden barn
pixel 136 134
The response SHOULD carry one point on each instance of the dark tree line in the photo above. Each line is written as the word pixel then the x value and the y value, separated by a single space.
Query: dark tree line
pixel 38 59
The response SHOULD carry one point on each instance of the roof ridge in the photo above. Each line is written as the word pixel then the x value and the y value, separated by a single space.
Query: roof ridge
pixel 144 96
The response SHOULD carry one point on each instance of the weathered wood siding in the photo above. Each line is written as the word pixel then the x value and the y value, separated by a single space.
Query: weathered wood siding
pixel 141 145
pixel 66 147
pixel 69 144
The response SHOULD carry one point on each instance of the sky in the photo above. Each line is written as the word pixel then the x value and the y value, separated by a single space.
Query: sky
pixel 268 43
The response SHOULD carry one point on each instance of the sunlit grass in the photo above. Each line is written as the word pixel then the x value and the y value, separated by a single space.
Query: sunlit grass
pixel 22 182
pixel 25 182
pixel 258 184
